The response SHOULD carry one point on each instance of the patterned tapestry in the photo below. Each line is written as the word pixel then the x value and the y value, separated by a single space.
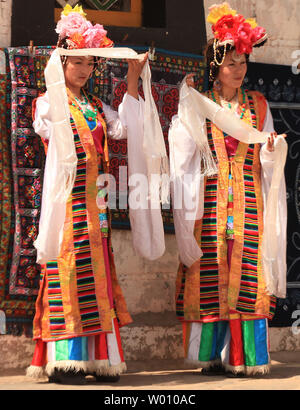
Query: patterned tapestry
pixel 22 164
pixel 22 160
pixel 6 210
pixel 281 87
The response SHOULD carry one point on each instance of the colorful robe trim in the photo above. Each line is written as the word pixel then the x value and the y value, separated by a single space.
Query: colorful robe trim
pixel 237 346
pixel 100 354
pixel 73 299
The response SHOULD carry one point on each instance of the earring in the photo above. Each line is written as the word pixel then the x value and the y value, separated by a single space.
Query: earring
pixel 211 75
pixel 217 85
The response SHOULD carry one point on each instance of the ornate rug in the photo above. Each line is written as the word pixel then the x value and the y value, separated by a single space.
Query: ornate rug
pixel 5 189
pixel 22 165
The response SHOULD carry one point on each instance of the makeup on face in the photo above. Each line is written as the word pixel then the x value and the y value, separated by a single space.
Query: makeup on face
pixel 77 71
pixel 233 70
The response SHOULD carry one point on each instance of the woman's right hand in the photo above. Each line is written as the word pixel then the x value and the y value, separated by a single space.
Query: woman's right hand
pixel 271 141
pixel 135 68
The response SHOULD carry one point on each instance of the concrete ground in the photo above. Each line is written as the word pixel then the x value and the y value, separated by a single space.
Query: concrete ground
pixel 285 375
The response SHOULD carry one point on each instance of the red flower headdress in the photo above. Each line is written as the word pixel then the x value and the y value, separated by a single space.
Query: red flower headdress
pixel 232 28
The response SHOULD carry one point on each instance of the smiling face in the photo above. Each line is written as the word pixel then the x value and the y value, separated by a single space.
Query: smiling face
pixel 77 71
pixel 232 72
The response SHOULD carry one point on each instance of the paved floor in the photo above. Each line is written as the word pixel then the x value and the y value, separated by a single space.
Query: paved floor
pixel 285 375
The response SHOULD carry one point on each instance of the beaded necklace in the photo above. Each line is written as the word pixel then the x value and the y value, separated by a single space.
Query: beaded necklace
pixel 90 115
pixel 229 104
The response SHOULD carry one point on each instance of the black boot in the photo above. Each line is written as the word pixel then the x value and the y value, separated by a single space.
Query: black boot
pixel 106 379
pixel 215 370
pixel 70 377
pixel 235 375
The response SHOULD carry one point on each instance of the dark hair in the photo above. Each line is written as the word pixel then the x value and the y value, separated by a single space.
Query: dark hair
pixel 209 54
pixel 62 43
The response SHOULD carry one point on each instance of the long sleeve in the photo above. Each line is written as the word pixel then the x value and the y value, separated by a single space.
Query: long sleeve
pixel 267 162
pixel 265 155
pixel 52 213
pixel 187 190
pixel 42 121
pixel 115 127
pixel 146 223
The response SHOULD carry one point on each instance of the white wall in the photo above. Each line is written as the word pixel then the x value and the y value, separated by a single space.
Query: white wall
pixel 5 22
pixel 281 18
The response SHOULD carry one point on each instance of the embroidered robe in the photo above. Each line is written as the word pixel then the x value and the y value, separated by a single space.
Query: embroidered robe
pixel 208 291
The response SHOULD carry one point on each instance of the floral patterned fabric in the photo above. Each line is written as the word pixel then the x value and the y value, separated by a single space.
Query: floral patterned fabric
pixel 6 226
pixel 22 161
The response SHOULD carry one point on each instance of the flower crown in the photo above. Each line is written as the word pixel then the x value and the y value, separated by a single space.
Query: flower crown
pixel 232 28
pixel 79 32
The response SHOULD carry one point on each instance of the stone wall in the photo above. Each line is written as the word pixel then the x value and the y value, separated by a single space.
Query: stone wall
pixel 5 22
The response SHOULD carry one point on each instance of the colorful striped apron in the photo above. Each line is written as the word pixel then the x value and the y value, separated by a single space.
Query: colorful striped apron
pixel 239 343
pixel 100 352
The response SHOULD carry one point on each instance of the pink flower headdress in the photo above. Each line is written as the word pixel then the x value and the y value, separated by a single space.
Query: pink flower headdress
pixel 231 28
pixel 76 32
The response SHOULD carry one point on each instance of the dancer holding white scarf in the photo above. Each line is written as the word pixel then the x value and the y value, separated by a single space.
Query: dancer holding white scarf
pixel 80 305
pixel 232 243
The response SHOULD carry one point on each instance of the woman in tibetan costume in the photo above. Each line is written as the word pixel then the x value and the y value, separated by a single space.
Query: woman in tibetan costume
pixel 226 279
pixel 80 306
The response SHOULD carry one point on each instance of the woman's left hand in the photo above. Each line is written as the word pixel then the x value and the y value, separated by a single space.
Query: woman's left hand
pixel 190 80
pixel 135 68
pixel 271 140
